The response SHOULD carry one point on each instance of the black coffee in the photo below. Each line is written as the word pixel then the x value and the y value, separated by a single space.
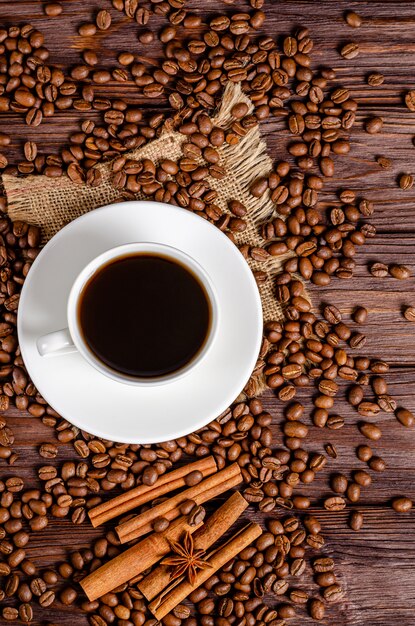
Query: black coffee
pixel 144 315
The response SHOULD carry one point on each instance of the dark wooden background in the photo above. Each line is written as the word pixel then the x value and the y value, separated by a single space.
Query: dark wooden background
pixel 377 565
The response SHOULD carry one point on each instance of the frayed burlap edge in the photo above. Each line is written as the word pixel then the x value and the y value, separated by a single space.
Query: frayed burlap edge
pixel 54 202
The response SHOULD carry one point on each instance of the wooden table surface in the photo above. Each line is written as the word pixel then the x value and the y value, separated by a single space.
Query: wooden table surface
pixel 376 565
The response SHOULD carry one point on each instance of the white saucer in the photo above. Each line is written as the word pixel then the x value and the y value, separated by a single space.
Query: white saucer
pixel 121 412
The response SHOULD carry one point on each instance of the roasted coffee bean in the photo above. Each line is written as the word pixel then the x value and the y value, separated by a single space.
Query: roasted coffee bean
pixel 193 478
pixel 68 596
pixel 360 315
pixel 353 492
pixel 87 30
pixel 187 506
pixel 48 451
pixel 377 464
pixel 30 150
pixel 355 395
pixel 371 431
pixel 356 520
pixel 196 515
pixel 368 409
pixel 401 272
pixel 323 564
pixel 405 417
pixel 374 125
pixel 350 50
pixel 402 505
pixel 325 579
pixel 53 9
pixel 160 524
pixel 181 611
pixel 409 313
pixel 333 593
pixel 332 314
pixel 339 483
pixel 335 503
pixel 331 450
pixel 14 484
pixel 10 614
pixel 26 612
pixel 103 20
pixel 375 79
pixel 295 429
pixel 353 19
pixel 410 100
pixel 386 403
pixel 362 478
pixel 316 609
pixel 384 162
pixel 379 270
pixel 312 524
pixel 239 110
pixel 47 598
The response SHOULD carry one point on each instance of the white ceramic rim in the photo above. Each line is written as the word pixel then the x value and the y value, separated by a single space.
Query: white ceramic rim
pixel 168 252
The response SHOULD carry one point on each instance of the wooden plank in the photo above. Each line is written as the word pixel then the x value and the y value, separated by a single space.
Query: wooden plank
pixel 377 565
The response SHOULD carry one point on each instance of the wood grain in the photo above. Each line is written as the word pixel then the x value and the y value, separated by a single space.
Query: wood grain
pixel 377 565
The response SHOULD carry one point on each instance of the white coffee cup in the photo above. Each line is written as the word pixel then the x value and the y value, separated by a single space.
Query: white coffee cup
pixel 70 339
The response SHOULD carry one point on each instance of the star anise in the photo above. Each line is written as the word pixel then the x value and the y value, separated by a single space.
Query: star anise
pixel 186 560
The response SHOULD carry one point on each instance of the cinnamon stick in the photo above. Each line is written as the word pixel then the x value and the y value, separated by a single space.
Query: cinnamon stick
pixel 213 529
pixel 168 600
pixel 204 491
pixel 135 560
pixel 144 493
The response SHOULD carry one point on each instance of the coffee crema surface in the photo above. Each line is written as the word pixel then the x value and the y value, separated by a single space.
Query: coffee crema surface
pixel 144 315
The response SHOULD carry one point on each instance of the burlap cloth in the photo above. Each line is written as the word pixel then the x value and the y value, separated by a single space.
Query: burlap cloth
pixel 54 202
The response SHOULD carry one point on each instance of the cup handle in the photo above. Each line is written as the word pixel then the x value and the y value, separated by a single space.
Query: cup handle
pixel 55 344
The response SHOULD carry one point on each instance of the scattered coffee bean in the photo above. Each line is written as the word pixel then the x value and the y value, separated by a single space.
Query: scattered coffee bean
pixel 338 483
pixel 193 478
pixel 317 609
pixel 350 51
pixel 187 506
pixel 10 613
pixel 331 450
pixel 374 125
pixel 103 20
pixel 356 520
pixel 410 100
pixel 333 593
pixel 160 524
pixel 335 503
pixel 360 315
pixel 371 431
pixel 353 19
pixel 376 79
pixel 378 270
pixel 401 272
pixel 405 417
pixel 384 162
pixel 53 9
pixel 48 451
pixel 406 181
pixel 409 313
pixel 197 515
pixel 377 464
pixel 26 612
pixel 402 505
pixel 239 110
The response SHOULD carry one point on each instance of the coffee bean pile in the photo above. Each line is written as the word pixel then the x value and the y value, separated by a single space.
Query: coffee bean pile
pixel 238 593
pixel 190 78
